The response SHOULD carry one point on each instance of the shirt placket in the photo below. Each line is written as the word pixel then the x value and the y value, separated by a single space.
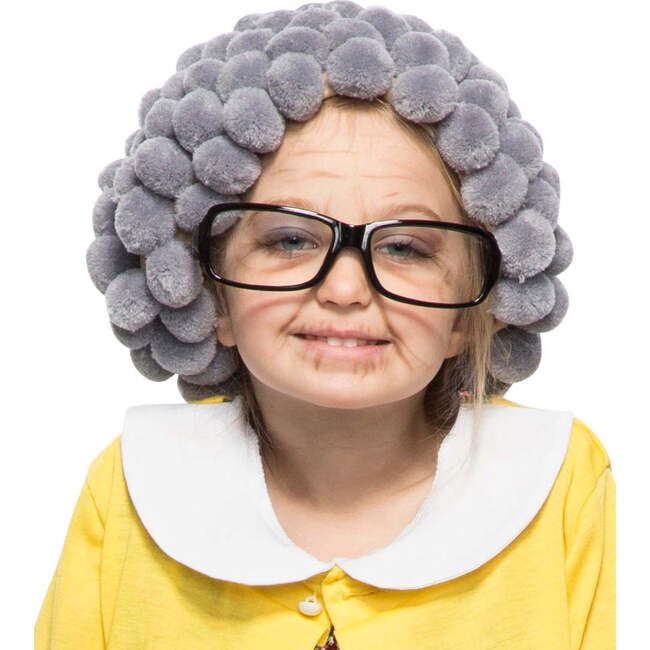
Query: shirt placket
pixel 333 594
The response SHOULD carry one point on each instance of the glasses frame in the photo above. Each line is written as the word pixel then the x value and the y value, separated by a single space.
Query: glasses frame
pixel 346 236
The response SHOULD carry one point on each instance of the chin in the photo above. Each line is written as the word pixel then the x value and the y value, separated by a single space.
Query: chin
pixel 341 397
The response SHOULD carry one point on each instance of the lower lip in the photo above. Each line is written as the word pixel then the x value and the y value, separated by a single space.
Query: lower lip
pixel 342 351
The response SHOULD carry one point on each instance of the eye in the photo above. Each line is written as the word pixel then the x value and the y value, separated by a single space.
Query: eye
pixel 288 242
pixel 403 248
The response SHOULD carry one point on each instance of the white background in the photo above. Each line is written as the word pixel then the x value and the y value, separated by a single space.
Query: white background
pixel 72 79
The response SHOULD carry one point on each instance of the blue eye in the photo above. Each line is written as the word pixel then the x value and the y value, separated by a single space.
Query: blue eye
pixel 288 243
pixel 402 249
pixel 293 240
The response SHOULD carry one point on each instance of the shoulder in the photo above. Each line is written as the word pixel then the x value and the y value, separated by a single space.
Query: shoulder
pixel 142 419
pixel 585 448
pixel 148 431
pixel 585 462
pixel 588 449
pixel 101 473
pixel 588 471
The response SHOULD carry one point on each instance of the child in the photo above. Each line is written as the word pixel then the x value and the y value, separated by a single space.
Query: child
pixel 346 472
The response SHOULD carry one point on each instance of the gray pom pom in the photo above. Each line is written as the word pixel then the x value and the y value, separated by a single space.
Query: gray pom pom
pixel 147 101
pixel 515 354
pixel 173 87
pixel 521 144
pixel 527 244
pixel 134 141
pixel 339 31
pixel 513 109
pixel 173 274
pixel 137 339
pixel 106 258
pixel 534 131
pixel 144 220
pixel 299 39
pixel 105 178
pixel 163 166
pixel 482 71
pixel 249 21
pixel 202 74
pixel 225 167
pixel 487 95
pixel 194 322
pixel 129 302
pixel 460 58
pixel 193 204
pixel 550 175
pixel 417 48
pixel 104 214
pixel 215 48
pixel 247 69
pixel 220 369
pixel 426 93
pixel 360 68
pixel 192 393
pixel 557 314
pixel 276 20
pixel 522 303
pixel 179 357
pixel 314 17
pixel 542 197
pixel 493 194
pixel 252 121
pixel 197 118
pixel 417 24
pixel 468 138
pixel 389 24
pixel 147 366
pixel 159 119
pixel 224 221
pixel 254 39
pixel 344 8
pixel 295 85
pixel 125 179
pixel 189 56
pixel 128 143
pixel 563 252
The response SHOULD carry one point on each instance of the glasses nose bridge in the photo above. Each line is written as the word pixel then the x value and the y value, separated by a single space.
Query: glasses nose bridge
pixel 352 236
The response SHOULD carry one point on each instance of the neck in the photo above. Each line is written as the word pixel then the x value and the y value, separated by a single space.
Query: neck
pixel 337 460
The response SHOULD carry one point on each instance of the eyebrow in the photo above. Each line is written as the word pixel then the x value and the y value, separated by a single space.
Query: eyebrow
pixel 395 207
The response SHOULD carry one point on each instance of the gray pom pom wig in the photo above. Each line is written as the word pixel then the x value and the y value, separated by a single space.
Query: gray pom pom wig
pixel 199 142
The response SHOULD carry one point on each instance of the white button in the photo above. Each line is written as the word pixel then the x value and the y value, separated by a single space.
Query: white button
pixel 310 606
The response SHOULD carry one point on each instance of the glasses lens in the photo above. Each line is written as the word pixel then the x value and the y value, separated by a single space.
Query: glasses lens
pixel 429 263
pixel 268 248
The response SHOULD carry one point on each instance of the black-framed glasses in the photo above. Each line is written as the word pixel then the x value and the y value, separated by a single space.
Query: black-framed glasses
pixel 270 247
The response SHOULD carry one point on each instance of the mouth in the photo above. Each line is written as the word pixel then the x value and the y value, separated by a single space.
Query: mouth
pixel 339 342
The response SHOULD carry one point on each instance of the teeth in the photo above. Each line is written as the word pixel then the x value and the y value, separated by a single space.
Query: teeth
pixel 347 343
pixel 338 342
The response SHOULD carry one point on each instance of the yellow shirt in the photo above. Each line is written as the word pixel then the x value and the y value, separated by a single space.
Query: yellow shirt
pixel 551 586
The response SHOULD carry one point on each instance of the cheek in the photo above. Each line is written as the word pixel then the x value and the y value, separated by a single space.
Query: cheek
pixel 258 318
pixel 423 327
pixel 425 338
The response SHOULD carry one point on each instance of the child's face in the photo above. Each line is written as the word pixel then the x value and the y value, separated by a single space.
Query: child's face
pixel 348 166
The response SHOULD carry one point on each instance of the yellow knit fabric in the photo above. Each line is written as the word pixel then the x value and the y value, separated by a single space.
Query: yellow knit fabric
pixel 552 587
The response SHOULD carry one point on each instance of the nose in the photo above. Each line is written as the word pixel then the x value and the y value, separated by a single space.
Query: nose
pixel 346 281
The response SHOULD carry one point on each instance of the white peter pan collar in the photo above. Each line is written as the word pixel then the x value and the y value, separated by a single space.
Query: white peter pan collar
pixel 195 477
